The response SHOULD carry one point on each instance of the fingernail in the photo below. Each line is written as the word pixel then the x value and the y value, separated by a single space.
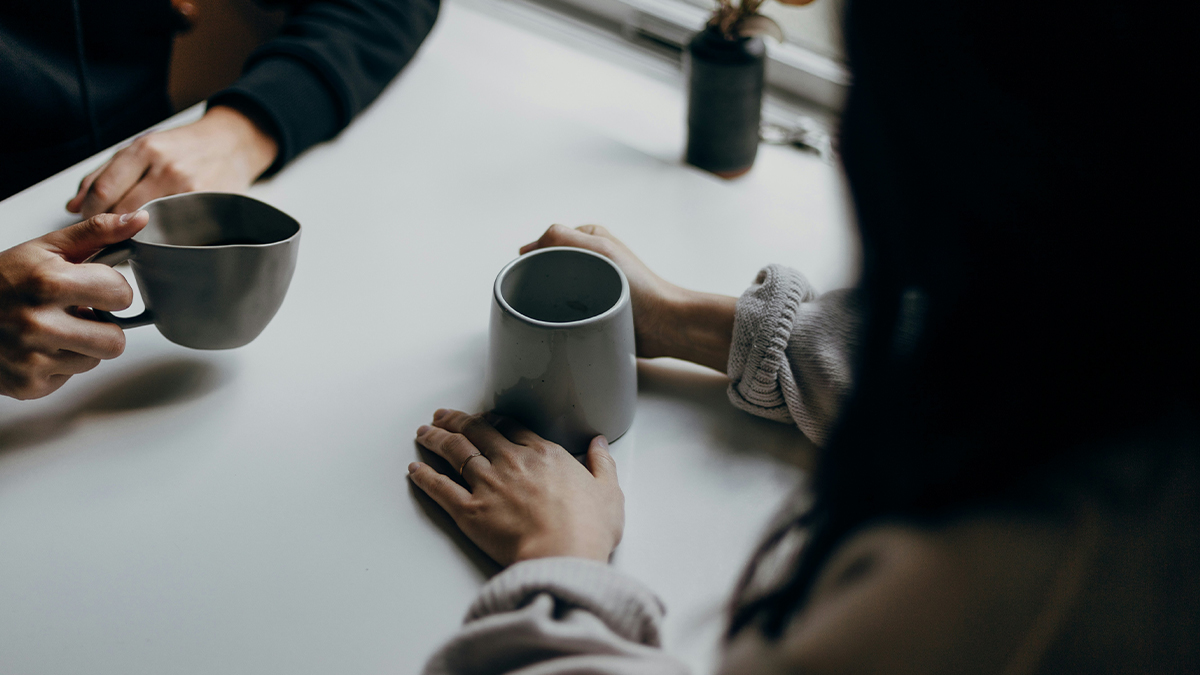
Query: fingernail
pixel 440 413
pixel 129 216
pixel 602 441
pixel 422 430
pixel 414 466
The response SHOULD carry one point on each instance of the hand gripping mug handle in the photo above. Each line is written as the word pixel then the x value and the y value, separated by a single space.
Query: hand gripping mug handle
pixel 113 255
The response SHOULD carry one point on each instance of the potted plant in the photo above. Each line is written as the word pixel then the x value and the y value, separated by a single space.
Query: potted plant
pixel 725 65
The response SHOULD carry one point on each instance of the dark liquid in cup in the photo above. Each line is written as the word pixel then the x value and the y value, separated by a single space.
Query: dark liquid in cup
pixel 234 241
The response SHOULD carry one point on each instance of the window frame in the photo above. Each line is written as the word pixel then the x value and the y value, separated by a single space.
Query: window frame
pixel 791 68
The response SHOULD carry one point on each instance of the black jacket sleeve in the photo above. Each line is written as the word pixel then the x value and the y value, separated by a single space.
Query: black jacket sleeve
pixel 329 62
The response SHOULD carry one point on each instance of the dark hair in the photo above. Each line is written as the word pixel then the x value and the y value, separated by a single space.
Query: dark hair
pixel 1023 183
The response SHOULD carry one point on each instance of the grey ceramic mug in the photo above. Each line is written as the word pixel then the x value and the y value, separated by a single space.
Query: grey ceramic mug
pixel 562 358
pixel 212 267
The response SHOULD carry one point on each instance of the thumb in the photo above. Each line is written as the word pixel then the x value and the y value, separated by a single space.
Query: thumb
pixel 599 462
pixel 77 242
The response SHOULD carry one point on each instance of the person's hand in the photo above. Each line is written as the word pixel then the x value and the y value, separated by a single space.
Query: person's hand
pixel 668 320
pixel 528 497
pixel 46 330
pixel 223 151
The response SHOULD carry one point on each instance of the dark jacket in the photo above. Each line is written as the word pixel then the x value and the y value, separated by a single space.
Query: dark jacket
pixel 77 76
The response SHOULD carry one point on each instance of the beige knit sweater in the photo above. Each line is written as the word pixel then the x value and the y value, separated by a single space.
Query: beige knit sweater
pixel 791 351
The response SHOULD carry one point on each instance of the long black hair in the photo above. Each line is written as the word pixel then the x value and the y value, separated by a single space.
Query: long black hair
pixel 1026 188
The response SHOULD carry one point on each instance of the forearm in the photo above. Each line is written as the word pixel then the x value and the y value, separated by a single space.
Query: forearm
pixel 330 61
pixel 697 327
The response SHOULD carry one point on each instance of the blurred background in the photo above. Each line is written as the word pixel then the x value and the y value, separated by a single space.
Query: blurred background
pixel 806 72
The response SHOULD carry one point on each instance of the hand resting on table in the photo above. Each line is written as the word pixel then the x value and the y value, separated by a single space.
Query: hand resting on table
pixel 525 497
pixel 223 151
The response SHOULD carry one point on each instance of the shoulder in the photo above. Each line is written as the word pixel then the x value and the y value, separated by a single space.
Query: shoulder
pixel 958 597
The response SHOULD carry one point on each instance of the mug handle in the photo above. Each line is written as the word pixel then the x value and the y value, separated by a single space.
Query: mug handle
pixel 111 256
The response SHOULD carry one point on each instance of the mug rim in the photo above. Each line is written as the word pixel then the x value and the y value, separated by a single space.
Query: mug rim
pixel 508 309
pixel 181 195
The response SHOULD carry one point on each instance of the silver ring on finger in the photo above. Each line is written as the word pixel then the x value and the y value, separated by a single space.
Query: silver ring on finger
pixel 463 466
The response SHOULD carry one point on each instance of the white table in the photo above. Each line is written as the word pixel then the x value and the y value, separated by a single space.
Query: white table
pixel 176 511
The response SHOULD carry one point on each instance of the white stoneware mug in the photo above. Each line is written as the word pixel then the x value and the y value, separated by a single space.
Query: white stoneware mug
pixel 562 359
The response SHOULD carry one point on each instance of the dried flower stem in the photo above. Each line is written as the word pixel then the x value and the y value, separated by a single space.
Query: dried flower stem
pixel 742 20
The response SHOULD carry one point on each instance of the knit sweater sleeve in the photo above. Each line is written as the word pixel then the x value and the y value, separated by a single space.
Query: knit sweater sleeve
pixel 330 61
pixel 791 355
pixel 555 616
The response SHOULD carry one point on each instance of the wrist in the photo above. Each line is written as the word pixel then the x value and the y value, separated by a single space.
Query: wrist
pixel 698 327
pixel 658 322
pixel 551 547
pixel 257 147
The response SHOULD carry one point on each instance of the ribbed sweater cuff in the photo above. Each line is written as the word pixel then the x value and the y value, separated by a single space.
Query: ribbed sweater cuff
pixel 627 607
pixel 292 98
pixel 762 327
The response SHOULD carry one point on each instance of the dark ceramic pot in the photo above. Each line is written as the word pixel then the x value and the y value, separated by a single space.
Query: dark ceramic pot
pixel 725 90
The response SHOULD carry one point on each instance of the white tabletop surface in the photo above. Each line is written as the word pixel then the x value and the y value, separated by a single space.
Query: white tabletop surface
pixel 177 511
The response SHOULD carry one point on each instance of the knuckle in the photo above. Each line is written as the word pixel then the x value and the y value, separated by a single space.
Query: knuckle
pixel 113 344
pixel 123 294
pixel 14 360
pixel 149 147
pixel 474 423
pixel 28 326
pixel 474 509
pixel 454 421
pixel 39 387
pixel 45 284
pixel 175 171
pixel 103 190
pixel 18 321
pixel 15 382
pixel 35 363
pixel 92 226
pixel 536 456
pixel 457 443
pixel 484 479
